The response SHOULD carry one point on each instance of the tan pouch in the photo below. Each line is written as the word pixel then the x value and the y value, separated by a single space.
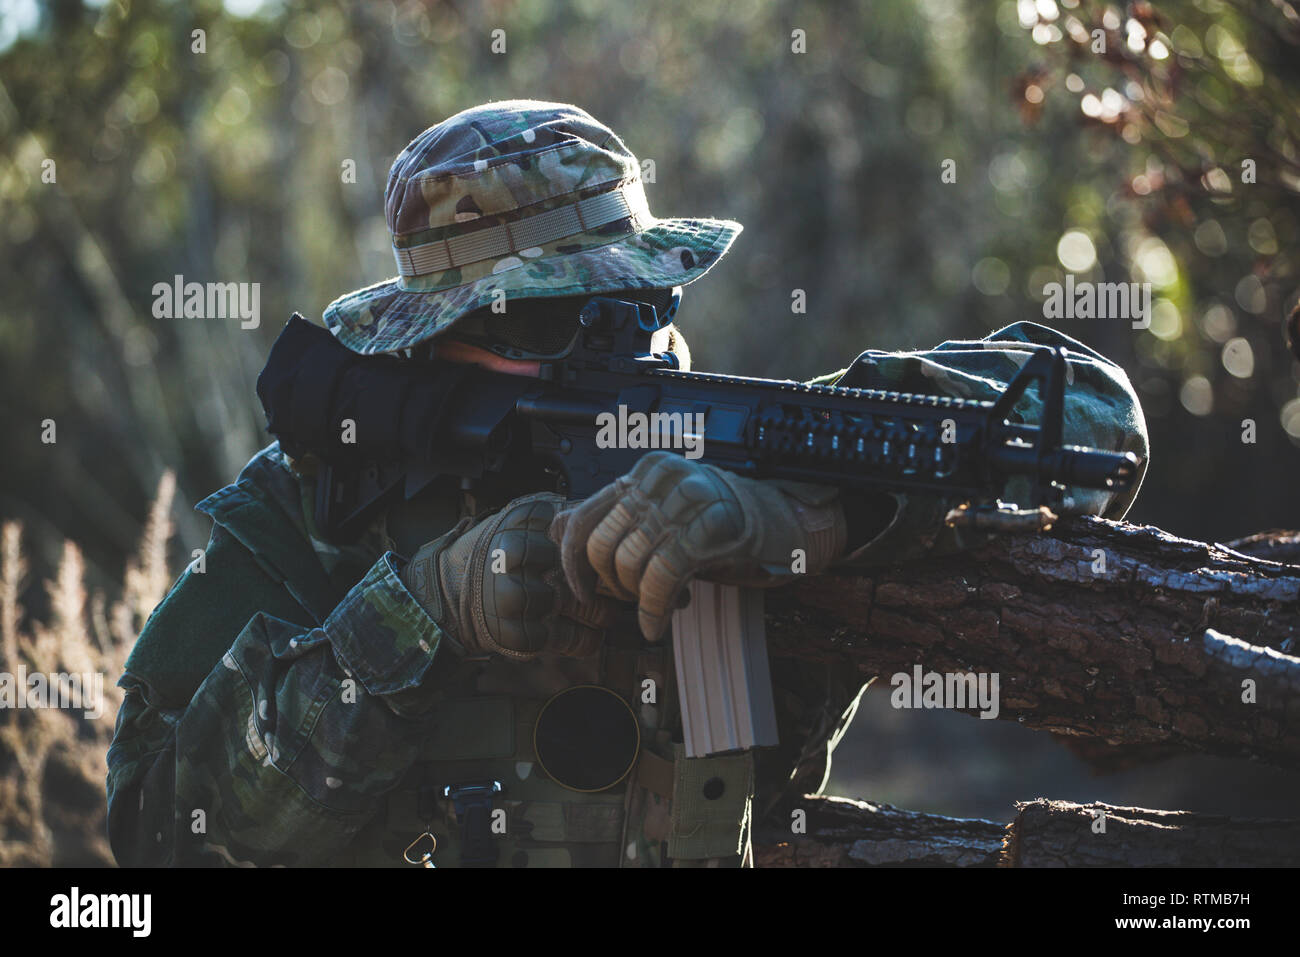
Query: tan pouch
pixel 712 799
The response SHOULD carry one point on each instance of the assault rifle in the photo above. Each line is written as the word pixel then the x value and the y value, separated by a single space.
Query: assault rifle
pixel 416 420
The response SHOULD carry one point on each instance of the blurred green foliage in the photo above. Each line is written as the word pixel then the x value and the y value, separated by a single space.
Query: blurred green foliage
pixel 229 165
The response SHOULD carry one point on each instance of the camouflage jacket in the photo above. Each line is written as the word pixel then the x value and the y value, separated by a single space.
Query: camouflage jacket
pixel 287 703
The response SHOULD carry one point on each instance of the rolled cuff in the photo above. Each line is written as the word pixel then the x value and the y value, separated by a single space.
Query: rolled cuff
pixel 381 634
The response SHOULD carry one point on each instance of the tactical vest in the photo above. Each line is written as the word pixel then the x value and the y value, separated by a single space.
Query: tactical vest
pixel 666 810
pixel 480 789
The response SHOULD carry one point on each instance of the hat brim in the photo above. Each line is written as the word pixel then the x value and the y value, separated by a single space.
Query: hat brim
pixel 395 314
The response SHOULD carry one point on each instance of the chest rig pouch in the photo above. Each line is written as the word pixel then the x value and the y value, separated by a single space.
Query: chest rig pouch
pixel 588 775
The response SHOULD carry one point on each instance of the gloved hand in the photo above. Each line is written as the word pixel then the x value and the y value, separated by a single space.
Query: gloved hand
pixel 496 586
pixel 648 533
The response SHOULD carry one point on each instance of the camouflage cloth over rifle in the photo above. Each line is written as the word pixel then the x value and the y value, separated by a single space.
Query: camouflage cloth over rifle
pixel 1101 411
pixel 239 743
pixel 523 199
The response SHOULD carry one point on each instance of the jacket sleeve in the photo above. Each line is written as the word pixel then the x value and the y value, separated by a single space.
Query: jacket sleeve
pixel 286 747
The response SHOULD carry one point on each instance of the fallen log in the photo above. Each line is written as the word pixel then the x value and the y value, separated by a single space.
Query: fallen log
pixel 1061 834
pixel 1099 629
pixel 839 832
pixel 1275 545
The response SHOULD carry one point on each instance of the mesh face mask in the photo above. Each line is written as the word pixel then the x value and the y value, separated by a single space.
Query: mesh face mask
pixel 543 328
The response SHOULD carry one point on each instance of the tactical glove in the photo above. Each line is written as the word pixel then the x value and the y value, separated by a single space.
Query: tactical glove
pixel 647 534
pixel 496 587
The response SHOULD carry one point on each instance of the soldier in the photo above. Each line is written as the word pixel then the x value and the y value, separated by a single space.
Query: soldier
pixel 306 702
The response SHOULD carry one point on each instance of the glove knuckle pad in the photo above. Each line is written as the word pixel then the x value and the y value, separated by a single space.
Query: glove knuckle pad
pixel 514 550
pixel 718 524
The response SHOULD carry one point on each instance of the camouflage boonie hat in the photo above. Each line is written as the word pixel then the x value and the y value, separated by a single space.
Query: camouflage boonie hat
pixel 530 198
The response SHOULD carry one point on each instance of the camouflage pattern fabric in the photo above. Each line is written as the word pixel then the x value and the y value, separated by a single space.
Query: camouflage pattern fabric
pixel 250 736
pixel 506 163
pixel 279 754
pixel 1101 411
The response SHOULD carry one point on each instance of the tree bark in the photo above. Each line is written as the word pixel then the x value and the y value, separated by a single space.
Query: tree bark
pixel 1099 629
pixel 839 832
pixel 845 833
pixel 1061 834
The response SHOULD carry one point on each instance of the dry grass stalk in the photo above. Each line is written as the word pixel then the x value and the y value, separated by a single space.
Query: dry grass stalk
pixel 62 823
